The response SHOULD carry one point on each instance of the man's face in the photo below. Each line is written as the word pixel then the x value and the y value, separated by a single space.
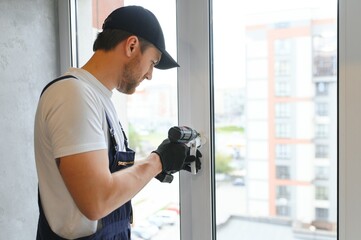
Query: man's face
pixel 138 68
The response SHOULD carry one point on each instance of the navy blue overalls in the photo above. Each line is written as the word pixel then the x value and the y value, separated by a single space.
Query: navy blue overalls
pixel 116 225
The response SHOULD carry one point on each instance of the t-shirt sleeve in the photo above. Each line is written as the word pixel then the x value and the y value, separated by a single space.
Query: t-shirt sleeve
pixel 73 116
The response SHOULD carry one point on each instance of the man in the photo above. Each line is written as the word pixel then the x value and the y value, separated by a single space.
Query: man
pixel 86 171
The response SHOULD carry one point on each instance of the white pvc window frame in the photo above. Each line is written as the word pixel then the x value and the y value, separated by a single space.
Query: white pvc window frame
pixel 67 34
pixel 195 109
pixel 195 99
pixel 349 132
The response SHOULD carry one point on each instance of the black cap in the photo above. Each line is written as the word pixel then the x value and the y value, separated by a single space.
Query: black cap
pixel 142 23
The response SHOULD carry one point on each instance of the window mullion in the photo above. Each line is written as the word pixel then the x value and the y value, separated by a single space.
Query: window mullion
pixel 194 88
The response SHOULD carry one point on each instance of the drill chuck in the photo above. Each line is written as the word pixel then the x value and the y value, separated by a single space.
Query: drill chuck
pixel 182 134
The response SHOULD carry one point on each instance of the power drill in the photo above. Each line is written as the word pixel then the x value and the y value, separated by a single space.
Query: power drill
pixel 188 136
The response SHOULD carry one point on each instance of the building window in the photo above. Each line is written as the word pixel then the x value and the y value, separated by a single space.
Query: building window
pixel 283 172
pixel 321 151
pixel 321 131
pixel 321 173
pixel 321 193
pixel 283 110
pixel 321 213
pixel 283 211
pixel 283 130
pixel 283 89
pixel 322 109
pixel 321 89
pixel 283 192
pixel 283 151
pixel 282 68
pixel 324 65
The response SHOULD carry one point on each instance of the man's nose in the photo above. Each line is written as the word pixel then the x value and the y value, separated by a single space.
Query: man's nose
pixel 149 74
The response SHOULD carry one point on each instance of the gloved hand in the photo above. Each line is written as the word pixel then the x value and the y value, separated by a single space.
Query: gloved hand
pixel 172 155
pixel 192 158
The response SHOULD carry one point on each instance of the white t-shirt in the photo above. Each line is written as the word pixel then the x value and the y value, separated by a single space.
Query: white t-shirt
pixel 70 119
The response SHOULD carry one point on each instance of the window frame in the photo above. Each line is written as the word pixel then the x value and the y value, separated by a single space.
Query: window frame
pixel 195 91
pixel 349 115
pixel 67 34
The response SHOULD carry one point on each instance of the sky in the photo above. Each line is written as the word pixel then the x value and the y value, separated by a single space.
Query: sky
pixel 231 16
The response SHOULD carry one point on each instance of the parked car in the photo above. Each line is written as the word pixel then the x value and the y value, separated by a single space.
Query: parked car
pixel 144 230
pixel 238 182
pixel 167 217
pixel 140 235
pixel 156 221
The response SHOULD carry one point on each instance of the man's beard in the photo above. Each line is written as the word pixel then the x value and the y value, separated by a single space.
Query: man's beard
pixel 130 77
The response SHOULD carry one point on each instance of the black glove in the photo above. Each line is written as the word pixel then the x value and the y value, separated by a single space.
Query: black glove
pixel 172 155
pixel 192 158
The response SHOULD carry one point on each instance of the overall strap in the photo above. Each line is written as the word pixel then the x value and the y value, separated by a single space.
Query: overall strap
pixel 111 129
pixel 55 80
pixel 112 134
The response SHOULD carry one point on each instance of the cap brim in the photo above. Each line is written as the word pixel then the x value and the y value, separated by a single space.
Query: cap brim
pixel 166 61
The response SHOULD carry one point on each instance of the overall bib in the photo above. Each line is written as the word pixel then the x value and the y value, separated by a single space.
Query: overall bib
pixel 116 225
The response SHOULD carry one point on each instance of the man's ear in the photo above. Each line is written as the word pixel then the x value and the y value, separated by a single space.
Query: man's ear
pixel 132 43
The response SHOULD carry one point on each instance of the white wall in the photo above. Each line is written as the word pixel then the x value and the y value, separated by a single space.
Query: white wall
pixel 28 59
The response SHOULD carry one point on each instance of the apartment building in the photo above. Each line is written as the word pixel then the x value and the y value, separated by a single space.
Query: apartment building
pixel 291 121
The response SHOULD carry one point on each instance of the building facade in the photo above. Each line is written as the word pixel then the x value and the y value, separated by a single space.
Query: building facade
pixel 291 121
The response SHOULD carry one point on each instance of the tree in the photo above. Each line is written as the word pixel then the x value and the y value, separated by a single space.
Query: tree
pixel 222 163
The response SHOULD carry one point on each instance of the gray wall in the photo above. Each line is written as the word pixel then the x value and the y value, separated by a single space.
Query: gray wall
pixel 28 59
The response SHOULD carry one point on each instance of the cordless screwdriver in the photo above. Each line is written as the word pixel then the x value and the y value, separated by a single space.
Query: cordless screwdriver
pixel 188 136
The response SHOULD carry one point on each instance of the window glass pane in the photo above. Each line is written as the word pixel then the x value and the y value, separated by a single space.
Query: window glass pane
pixel 146 115
pixel 276 160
